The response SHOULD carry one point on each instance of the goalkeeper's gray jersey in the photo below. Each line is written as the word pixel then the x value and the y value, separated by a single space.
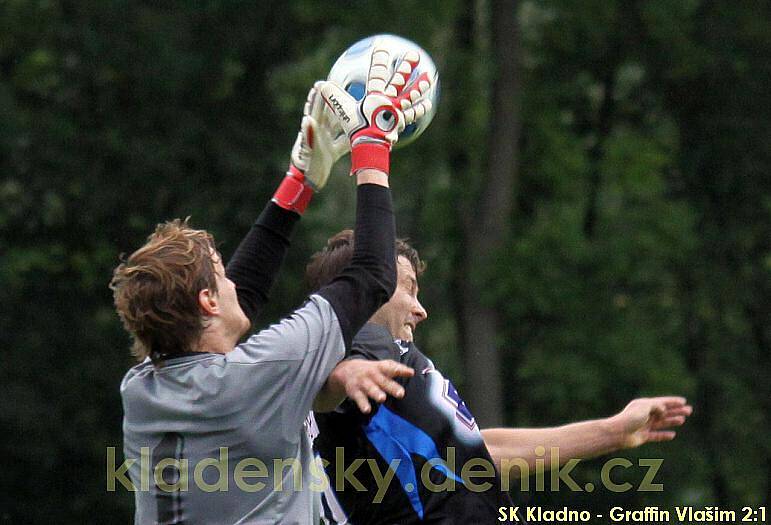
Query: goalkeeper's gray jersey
pixel 224 434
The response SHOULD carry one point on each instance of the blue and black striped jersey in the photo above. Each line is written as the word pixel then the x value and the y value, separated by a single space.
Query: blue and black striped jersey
pixel 413 449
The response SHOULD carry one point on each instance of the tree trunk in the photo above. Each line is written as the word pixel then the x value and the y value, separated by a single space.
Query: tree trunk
pixel 486 228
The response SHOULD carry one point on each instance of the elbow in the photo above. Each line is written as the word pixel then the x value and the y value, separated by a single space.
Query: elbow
pixel 389 281
pixel 380 278
pixel 386 284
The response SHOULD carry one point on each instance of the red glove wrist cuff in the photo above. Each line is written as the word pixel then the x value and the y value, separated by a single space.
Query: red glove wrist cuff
pixel 370 155
pixel 293 194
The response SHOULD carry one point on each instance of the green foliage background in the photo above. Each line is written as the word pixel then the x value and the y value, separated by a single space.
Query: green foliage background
pixel 638 261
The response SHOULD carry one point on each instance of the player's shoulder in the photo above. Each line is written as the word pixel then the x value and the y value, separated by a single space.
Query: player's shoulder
pixel 375 342
pixel 136 371
pixel 315 314
pixel 310 327
pixel 372 333
pixel 198 362
pixel 317 305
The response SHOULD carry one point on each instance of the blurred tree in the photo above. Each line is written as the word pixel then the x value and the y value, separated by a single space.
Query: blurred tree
pixel 487 220
pixel 116 115
pixel 716 86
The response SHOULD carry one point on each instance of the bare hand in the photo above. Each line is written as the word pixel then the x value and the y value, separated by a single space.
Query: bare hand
pixel 363 380
pixel 646 420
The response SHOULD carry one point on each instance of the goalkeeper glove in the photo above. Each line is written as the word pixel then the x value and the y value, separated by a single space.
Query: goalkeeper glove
pixel 314 153
pixel 389 105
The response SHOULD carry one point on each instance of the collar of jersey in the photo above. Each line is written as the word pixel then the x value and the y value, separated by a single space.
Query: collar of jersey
pixel 373 333
pixel 404 346
pixel 187 358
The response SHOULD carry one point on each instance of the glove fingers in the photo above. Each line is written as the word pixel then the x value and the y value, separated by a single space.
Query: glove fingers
pixel 307 130
pixel 309 100
pixel 402 73
pixel 316 107
pixel 379 70
pixel 298 156
pixel 417 111
pixel 418 88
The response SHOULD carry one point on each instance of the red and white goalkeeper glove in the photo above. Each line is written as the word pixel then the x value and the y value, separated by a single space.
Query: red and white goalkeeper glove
pixel 314 153
pixel 389 105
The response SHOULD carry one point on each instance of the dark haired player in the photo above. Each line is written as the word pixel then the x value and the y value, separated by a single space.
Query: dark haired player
pixel 413 436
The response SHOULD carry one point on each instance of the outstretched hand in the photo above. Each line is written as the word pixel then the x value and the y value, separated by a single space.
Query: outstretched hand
pixel 646 420
pixel 362 380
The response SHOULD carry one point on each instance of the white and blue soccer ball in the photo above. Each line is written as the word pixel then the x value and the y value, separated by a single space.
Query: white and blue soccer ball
pixel 351 69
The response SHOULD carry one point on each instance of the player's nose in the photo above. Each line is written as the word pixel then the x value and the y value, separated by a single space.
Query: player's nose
pixel 419 312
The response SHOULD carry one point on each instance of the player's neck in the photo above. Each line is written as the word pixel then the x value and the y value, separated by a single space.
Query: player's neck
pixel 215 340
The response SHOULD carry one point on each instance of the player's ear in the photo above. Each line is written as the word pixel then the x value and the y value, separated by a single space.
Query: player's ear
pixel 207 301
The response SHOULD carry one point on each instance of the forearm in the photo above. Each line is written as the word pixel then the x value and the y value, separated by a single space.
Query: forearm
pixel 258 258
pixel 329 397
pixel 582 440
pixel 370 279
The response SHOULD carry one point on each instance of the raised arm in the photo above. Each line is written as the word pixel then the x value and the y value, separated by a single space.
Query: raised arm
pixel 259 256
pixel 372 125
pixel 368 282
pixel 642 420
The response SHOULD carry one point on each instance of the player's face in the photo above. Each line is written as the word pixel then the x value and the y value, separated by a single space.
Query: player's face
pixel 403 312
pixel 233 317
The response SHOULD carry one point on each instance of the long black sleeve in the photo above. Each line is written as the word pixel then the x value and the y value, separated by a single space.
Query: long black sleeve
pixel 370 279
pixel 258 258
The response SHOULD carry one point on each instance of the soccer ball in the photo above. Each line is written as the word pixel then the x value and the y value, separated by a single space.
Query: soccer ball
pixel 351 69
